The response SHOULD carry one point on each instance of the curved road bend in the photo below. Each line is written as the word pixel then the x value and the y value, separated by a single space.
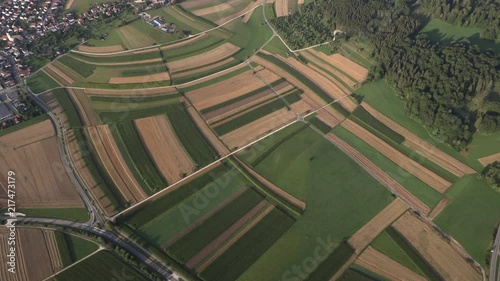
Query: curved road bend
pixel 154 263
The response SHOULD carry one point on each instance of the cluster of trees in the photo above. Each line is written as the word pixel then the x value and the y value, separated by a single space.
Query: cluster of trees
pixel 437 82
pixel 482 13
pixel 490 123
pixel 491 174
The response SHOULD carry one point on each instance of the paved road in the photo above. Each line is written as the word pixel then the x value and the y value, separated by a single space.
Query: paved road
pixel 135 250
pixel 494 275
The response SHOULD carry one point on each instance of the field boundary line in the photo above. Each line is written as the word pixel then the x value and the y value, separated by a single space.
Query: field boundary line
pixel 73 264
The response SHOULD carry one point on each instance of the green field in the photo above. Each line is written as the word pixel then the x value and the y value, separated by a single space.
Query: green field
pixel 422 191
pixel 69 107
pixel 360 115
pixel 80 67
pixel 146 70
pixel 242 254
pixel 137 157
pixel 72 248
pixel 41 82
pixel 332 263
pixel 340 196
pixel 103 265
pixel 472 216
pixel 383 98
pixel 440 31
pixel 320 125
pixel 129 109
pixel 153 54
pixel 356 275
pixel 275 46
pixel 195 240
pixel 72 214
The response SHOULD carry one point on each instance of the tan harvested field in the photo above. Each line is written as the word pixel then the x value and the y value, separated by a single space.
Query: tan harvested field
pixel 300 2
pixel 249 8
pixel 440 255
pixel 164 147
pixel 281 8
pixel 213 9
pixel 224 236
pixel 106 49
pixel 140 79
pixel 33 154
pixel 203 218
pixel 84 172
pixel 214 76
pixel 354 70
pixel 410 165
pixel 229 89
pixel 318 58
pixel 131 92
pixel 206 130
pixel 190 4
pixel 240 106
pixel 328 86
pixel 202 69
pixel 183 43
pixel 114 164
pixel 36 258
pixel 489 159
pixel 330 77
pixel 381 264
pixel 280 192
pixel 262 126
pixel 365 235
pixel 85 109
pixel 379 174
pixel 65 79
pixel 117 63
pixel 439 207
pixel 421 146
pixel 212 56
pixel 233 239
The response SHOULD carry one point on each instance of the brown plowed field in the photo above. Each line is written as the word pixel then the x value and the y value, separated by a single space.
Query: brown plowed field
pixel 107 49
pixel 206 130
pixel 114 164
pixel 201 69
pixel 319 59
pixel 82 102
pixel 227 234
pixel 280 192
pixel 365 235
pixel 421 146
pixel 21 269
pixel 164 147
pixel 132 92
pixel 439 207
pixel 33 154
pixel 414 168
pixel 223 51
pixel 183 43
pixel 82 169
pixel 56 72
pixel 379 174
pixel 202 219
pixel 118 63
pixel 381 264
pixel 140 79
pixel 234 239
pixel 281 8
pixel 213 9
pixel 262 126
pixel 489 159
pixel 440 255
pixel 354 70
pixel 229 89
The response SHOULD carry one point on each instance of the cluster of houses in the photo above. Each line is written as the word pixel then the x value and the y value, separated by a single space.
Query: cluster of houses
pixel 158 23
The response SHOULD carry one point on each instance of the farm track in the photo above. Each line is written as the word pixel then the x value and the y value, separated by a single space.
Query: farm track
pixel 365 235
pixel 117 63
pixel 421 146
pixel 131 92
pixel 410 165
pixel 183 43
pixel 449 263
pixel 379 174
pixel 382 265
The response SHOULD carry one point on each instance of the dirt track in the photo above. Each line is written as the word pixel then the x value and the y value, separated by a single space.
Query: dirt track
pixel 132 92
pixel 381 264
pixel 439 208
pixel 364 236
pixel 164 147
pixel 489 159
pixel 379 174
pixel 118 63
pixel 212 56
pixel 410 165
pixel 429 244
pixel 140 79
pixel 421 146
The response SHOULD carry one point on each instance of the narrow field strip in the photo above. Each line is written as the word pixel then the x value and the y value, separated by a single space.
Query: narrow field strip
pixel 411 166
pixel 131 92
pixel 281 7
pixel 57 73
pixel 223 51
pixel 439 208
pixel 211 66
pixel 314 57
pixel 379 174
pixel 421 146
pixel 105 49
pixel 140 79
pixel 379 263
pixel 365 235
pixel 489 159
pixel 354 70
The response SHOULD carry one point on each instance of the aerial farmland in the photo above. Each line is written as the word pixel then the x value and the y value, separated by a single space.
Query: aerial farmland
pixel 254 140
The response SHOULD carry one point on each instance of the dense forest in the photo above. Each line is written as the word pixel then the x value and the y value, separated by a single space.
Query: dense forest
pixel 483 13
pixel 437 82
